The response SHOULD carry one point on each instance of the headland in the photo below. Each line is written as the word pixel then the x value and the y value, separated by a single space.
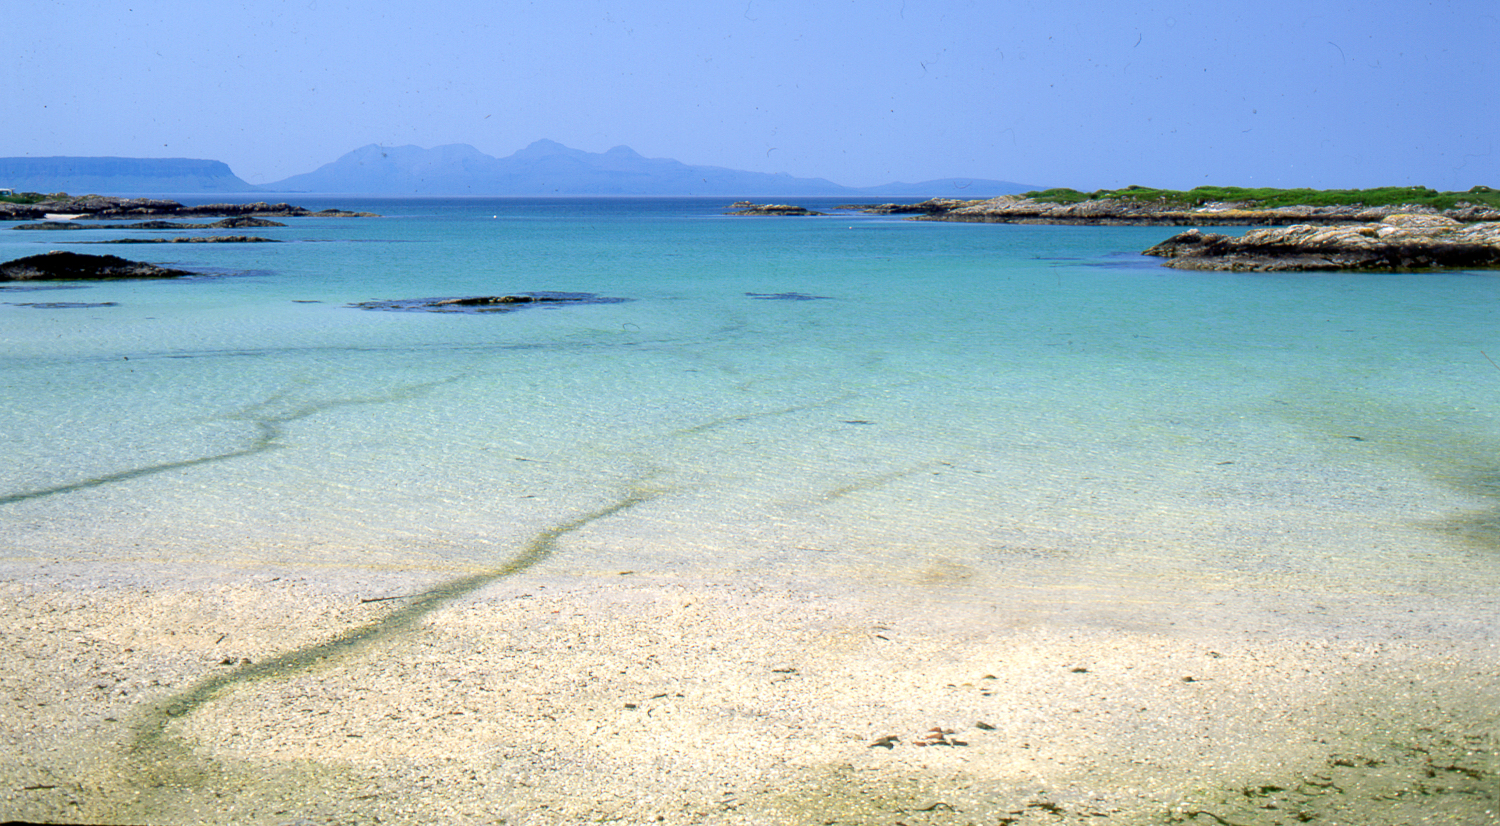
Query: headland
pixel 1397 243
pixel 1390 229
pixel 1206 206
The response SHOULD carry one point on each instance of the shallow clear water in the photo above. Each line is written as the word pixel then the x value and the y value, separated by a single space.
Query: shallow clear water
pixel 939 404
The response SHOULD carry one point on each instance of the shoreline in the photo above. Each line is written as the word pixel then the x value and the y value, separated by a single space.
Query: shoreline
pixel 681 698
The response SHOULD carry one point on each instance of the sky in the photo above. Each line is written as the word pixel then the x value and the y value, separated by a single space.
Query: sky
pixel 1088 95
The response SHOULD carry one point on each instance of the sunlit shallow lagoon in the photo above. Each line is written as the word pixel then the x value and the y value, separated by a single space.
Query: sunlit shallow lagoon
pixel 930 407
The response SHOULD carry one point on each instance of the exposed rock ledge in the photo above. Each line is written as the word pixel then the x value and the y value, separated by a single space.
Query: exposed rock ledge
pixel 748 208
pixel 72 266
pixel 1400 242
pixel 1015 209
pixel 227 223
pixel 99 206
pixel 931 206
pixel 191 239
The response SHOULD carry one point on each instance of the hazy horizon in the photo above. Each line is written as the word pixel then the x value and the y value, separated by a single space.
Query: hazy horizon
pixel 541 144
pixel 543 168
pixel 1319 94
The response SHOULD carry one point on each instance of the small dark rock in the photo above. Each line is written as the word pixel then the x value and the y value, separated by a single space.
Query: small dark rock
pixel 751 209
pixel 484 301
pixel 931 206
pixel 71 266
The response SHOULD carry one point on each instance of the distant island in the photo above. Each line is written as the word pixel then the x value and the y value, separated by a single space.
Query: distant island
pixel 119 176
pixel 543 169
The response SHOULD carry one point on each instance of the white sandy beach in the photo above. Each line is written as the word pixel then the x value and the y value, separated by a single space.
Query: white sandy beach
pixel 658 698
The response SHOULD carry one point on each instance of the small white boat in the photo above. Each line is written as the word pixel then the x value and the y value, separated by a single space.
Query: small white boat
pixel 63 216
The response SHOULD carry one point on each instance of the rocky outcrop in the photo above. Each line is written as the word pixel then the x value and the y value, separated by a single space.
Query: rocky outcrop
pixel 261 209
pixel 931 206
pixel 487 303
pixel 191 239
pixel 227 223
pixel 753 209
pixel 1016 209
pixel 1399 242
pixel 99 206
pixel 71 266
pixel 91 206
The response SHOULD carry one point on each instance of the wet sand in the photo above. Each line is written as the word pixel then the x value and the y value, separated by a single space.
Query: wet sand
pixel 153 696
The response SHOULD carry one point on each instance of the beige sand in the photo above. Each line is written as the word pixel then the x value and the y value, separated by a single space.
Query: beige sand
pixel 676 699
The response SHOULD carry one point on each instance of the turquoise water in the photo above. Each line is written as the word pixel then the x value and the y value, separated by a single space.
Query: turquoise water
pixel 954 405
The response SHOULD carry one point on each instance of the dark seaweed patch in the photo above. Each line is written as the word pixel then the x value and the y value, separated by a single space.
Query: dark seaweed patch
pixel 63 305
pixel 50 285
pixel 789 297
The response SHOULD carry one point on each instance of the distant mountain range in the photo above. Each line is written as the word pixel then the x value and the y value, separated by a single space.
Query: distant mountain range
pixel 549 168
pixel 545 168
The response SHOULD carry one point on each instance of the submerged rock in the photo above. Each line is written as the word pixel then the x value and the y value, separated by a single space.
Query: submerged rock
pixel 789 297
pixel 487 303
pixel 65 305
pixel 59 265
pixel 1400 242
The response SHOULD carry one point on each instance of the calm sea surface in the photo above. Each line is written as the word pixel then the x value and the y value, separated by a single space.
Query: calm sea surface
pixel 874 400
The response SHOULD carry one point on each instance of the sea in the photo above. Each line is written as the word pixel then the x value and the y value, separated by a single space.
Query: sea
pixel 1025 415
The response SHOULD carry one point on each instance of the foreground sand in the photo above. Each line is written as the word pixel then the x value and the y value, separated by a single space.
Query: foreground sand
pixel 155 698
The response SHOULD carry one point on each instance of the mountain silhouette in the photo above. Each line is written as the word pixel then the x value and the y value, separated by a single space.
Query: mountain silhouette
pixel 548 168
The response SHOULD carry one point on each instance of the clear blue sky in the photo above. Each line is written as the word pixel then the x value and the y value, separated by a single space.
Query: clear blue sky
pixel 1065 93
